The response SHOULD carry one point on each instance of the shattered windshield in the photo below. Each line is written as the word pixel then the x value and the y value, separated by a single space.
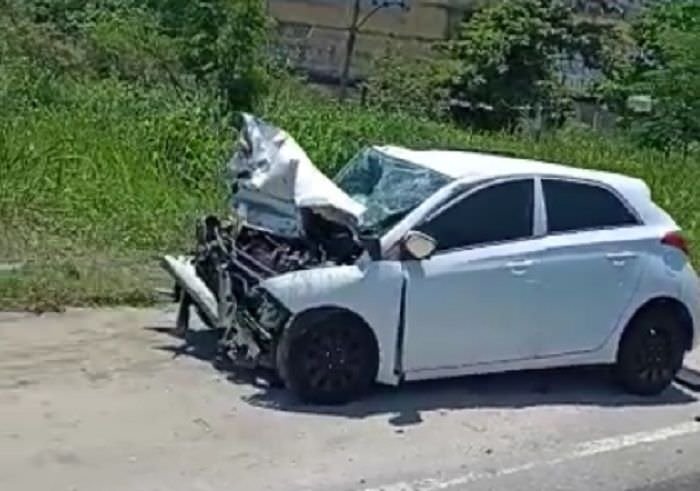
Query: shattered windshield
pixel 389 188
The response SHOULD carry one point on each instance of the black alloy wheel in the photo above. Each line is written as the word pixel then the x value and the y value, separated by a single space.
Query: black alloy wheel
pixel 651 352
pixel 333 359
pixel 330 362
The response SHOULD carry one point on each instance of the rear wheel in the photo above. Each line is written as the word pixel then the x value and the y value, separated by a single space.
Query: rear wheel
pixel 651 352
pixel 330 360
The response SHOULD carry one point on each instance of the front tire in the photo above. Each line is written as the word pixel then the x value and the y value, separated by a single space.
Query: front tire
pixel 651 352
pixel 332 359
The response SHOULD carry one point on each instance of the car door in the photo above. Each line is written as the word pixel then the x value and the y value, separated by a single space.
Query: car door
pixel 589 268
pixel 469 302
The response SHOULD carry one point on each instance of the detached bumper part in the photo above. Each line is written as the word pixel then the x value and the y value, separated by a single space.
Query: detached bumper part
pixel 240 328
pixel 182 270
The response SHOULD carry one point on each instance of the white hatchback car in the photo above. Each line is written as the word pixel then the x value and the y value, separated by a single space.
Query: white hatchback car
pixel 459 263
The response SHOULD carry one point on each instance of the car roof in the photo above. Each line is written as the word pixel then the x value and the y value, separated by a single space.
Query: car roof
pixel 475 166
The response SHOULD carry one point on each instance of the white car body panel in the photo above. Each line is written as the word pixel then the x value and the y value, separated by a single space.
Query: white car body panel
pixel 546 301
pixel 552 300
pixel 470 306
pixel 585 282
pixel 667 274
pixel 182 269
pixel 371 290
pixel 473 166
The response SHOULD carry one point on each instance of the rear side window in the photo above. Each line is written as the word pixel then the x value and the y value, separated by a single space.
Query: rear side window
pixel 577 206
pixel 498 213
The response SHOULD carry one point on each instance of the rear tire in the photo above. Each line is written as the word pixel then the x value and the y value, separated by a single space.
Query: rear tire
pixel 330 359
pixel 651 352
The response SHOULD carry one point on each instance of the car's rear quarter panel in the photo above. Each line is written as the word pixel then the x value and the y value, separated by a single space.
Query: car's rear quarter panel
pixel 667 274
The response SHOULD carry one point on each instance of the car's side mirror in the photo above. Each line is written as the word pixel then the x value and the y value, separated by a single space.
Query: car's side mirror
pixel 419 245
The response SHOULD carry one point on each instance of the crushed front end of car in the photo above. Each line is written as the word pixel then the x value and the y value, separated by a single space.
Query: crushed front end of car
pixel 285 216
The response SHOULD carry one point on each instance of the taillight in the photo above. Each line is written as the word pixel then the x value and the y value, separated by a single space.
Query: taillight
pixel 676 239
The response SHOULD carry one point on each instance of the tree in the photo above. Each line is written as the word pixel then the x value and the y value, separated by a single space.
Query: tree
pixel 216 44
pixel 224 42
pixel 242 58
pixel 356 24
pixel 507 57
pixel 417 85
pixel 667 70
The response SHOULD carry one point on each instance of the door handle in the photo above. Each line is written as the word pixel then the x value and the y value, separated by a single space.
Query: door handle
pixel 620 258
pixel 617 256
pixel 519 267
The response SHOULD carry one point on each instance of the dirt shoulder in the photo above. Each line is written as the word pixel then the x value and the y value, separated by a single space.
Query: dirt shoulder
pixel 52 283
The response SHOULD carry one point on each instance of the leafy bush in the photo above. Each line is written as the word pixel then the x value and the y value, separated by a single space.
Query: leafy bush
pixel 507 55
pixel 223 42
pixel 216 44
pixel 667 70
pixel 418 86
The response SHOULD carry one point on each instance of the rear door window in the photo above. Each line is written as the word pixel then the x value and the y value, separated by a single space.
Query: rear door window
pixel 573 206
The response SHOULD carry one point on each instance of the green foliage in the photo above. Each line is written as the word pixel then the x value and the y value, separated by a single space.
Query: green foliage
pixel 604 46
pixel 668 70
pixel 128 45
pixel 675 90
pixel 217 44
pixel 418 85
pixel 102 176
pixel 507 55
pixel 653 26
pixel 223 42
pixel 103 151
pixel 116 122
pixel 68 16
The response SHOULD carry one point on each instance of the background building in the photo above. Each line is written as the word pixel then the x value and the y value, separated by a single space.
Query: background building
pixel 312 36
pixel 312 33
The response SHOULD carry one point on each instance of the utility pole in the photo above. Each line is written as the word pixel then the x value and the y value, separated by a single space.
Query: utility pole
pixel 356 24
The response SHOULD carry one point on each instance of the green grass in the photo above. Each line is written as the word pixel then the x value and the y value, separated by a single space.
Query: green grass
pixel 54 282
pixel 98 177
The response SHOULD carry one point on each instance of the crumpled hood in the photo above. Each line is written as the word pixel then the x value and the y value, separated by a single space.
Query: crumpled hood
pixel 273 178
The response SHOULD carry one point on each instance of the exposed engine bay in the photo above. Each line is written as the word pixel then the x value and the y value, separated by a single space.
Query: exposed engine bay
pixel 232 262
pixel 286 216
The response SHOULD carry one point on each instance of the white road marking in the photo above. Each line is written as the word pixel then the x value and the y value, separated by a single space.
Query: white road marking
pixel 587 449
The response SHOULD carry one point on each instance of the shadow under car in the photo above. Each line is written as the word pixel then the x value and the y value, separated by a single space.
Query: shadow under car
pixel 562 386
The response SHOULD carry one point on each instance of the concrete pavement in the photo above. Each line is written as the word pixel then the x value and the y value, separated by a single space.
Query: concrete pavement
pixel 662 465
pixel 690 373
pixel 110 400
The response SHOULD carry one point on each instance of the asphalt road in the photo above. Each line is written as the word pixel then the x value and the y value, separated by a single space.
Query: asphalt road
pixel 614 464
pixel 109 400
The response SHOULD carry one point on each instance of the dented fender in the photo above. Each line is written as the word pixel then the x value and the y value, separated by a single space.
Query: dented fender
pixel 372 290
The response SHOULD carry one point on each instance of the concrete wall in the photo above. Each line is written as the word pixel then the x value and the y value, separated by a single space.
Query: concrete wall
pixel 312 33
pixel 425 19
